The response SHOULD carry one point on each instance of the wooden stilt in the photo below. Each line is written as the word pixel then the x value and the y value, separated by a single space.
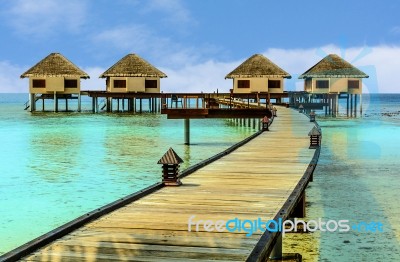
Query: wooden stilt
pixel 337 105
pixel 93 104
pixel 79 102
pixel 187 131
pixel 140 105
pixel 351 105
pixel 97 104
pixel 300 209
pixel 55 102
pixel 361 105
pixel 66 104
pixel 276 252
pixel 31 102
pixel 355 105
pixel 150 105
pixel 108 104
pixel 326 107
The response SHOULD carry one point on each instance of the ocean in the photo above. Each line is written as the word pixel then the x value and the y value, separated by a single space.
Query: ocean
pixel 357 179
pixel 57 166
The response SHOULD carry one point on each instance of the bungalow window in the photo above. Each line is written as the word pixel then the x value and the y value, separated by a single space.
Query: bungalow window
pixel 70 83
pixel 354 84
pixel 119 83
pixel 274 83
pixel 39 83
pixel 243 83
pixel 150 83
pixel 322 83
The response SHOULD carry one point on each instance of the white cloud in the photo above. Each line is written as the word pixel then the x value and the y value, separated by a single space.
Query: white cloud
pixel 44 17
pixel 207 77
pixel 395 30
pixel 94 83
pixel 140 39
pixel 137 38
pixel 10 81
pixel 174 10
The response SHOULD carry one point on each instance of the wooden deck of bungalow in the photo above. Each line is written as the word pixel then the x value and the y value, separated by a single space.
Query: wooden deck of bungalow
pixel 264 178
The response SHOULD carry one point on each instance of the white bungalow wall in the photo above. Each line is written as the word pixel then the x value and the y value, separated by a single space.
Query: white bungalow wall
pixel 257 84
pixel 54 84
pixel 133 84
pixel 336 85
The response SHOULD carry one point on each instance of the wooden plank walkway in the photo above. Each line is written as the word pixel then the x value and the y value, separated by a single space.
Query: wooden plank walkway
pixel 251 182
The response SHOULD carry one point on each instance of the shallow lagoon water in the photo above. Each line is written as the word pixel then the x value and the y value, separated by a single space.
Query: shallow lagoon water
pixel 55 167
pixel 58 166
pixel 357 179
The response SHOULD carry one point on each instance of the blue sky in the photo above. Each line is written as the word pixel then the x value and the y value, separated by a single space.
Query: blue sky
pixel 197 42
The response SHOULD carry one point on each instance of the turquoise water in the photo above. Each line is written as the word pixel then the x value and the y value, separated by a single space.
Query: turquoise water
pixel 58 166
pixel 357 179
pixel 55 167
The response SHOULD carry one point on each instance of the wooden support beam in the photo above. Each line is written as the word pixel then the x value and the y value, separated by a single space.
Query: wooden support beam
pixel 187 131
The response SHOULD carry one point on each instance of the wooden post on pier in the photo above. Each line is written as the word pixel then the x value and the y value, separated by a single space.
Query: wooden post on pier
pixel 66 104
pixel 315 138
pixel 170 165
pixel 187 131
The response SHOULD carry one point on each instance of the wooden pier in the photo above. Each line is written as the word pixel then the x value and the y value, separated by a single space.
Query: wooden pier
pixel 265 178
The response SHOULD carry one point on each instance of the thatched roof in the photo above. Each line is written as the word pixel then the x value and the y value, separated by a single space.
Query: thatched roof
pixel 333 66
pixel 55 65
pixel 133 65
pixel 257 66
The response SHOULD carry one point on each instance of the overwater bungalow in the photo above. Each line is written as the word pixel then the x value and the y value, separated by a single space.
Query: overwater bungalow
pixel 130 78
pixel 133 74
pixel 336 78
pixel 258 74
pixel 54 77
